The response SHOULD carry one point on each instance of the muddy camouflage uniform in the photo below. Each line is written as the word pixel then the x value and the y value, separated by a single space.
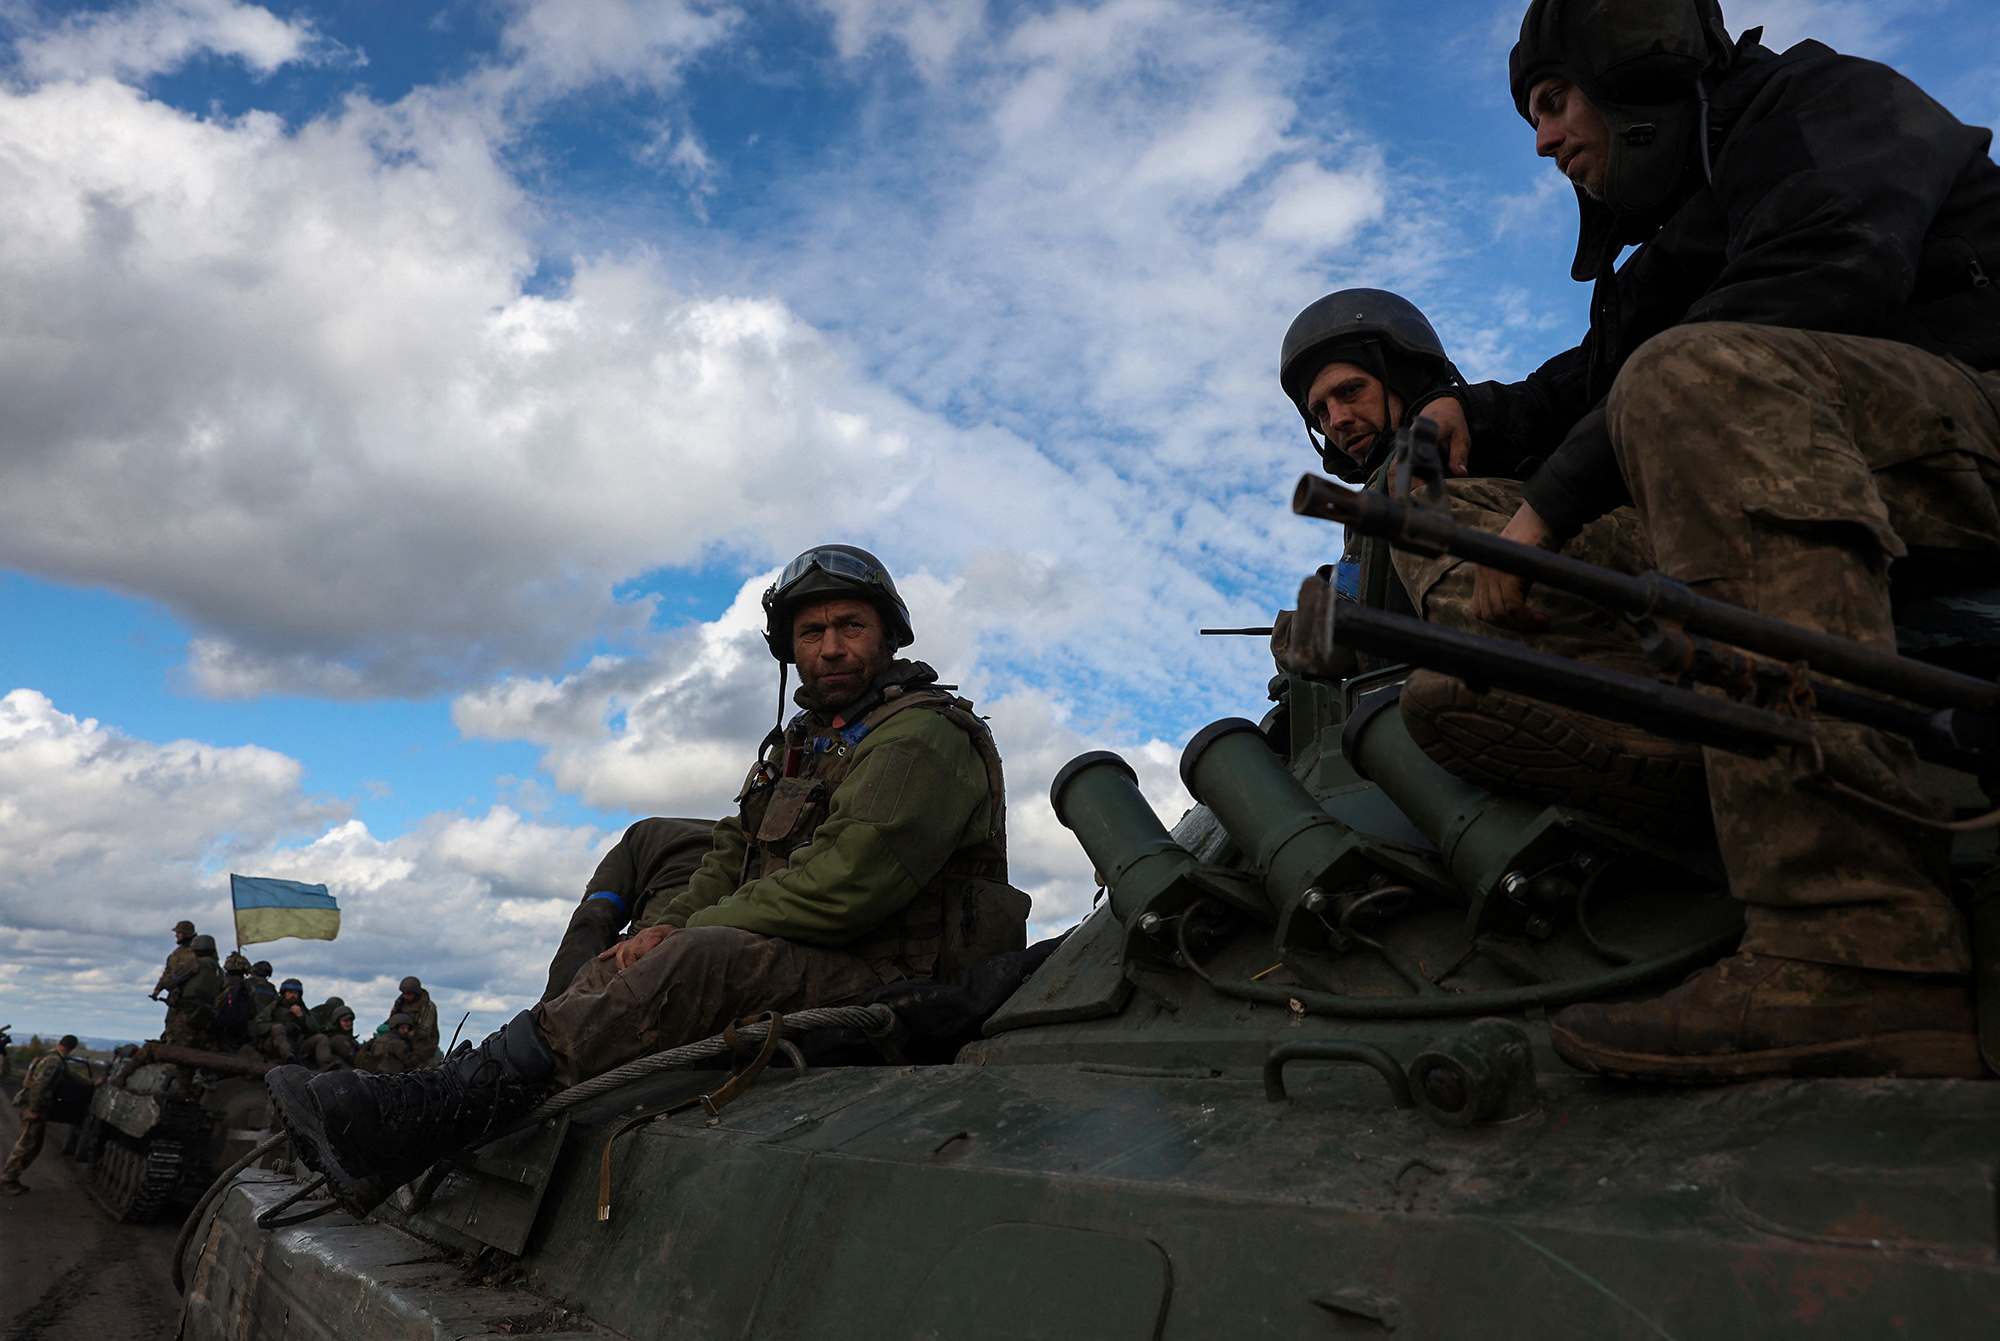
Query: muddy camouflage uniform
pixel 849 873
pixel 1790 469
pixel 35 1096
pixel 424 1037
pixel 191 1004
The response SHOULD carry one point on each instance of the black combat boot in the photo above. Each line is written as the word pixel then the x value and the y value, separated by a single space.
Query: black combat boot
pixel 371 1134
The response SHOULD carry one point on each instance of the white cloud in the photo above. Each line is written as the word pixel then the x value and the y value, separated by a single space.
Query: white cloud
pixel 106 841
pixel 1852 27
pixel 554 47
pixel 135 41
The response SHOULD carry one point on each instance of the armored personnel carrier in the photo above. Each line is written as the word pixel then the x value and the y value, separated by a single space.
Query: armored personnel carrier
pixel 1290 1078
pixel 162 1126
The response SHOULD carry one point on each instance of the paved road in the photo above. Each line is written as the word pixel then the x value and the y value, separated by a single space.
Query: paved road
pixel 67 1273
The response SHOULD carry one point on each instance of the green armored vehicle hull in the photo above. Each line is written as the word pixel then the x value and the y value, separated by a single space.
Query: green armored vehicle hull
pixel 162 1126
pixel 1291 1078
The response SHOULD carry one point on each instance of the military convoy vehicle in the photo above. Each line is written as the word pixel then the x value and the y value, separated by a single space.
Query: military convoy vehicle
pixel 1291 1077
pixel 162 1126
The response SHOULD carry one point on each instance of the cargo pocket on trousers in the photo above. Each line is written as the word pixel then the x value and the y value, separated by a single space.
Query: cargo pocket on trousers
pixel 1837 502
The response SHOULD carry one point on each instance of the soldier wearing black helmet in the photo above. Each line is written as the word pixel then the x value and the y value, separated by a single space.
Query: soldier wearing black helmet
pixel 1360 364
pixel 869 847
pixel 1793 379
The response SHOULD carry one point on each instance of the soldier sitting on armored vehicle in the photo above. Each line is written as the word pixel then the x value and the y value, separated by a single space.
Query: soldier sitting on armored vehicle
pixel 412 1000
pixel 1791 381
pixel 870 849
pixel 285 1030
pixel 341 1045
pixel 389 1052
pixel 260 983
pixel 191 1000
pixel 235 1005
pixel 1360 364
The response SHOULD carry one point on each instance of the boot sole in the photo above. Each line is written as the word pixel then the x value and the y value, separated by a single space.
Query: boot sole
pixel 1925 1055
pixel 1558 756
pixel 301 1119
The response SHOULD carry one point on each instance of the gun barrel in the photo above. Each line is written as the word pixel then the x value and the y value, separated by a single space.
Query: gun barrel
pixel 1664 708
pixel 1375 513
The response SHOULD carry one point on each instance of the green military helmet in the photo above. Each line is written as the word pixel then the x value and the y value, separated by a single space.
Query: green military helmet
pixel 203 945
pixel 410 986
pixel 399 1019
pixel 262 968
pixel 344 1018
pixel 183 928
pixel 1642 64
pixel 1382 333
pixel 236 963
pixel 827 573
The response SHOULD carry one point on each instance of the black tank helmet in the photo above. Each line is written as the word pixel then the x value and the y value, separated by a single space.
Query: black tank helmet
pixel 1644 65
pixel 1384 334
pixel 826 573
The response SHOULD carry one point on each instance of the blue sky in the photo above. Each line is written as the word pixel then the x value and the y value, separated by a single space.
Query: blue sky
pixel 404 402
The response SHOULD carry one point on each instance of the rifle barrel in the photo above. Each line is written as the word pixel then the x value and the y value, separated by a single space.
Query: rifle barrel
pixel 1664 708
pixel 1372 512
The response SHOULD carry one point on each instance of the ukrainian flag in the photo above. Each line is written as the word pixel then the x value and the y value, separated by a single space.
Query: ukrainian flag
pixel 269 910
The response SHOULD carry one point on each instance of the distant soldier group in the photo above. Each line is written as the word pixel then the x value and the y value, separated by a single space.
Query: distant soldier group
pixel 233 1007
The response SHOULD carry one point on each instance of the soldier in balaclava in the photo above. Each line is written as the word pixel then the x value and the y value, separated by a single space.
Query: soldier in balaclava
pixel 180 961
pixel 1792 379
pixel 870 847
pixel 191 1001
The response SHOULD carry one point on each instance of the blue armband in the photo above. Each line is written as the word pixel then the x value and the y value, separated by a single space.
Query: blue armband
pixel 623 911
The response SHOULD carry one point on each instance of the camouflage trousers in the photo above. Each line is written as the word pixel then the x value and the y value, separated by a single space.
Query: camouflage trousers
pixel 188 1027
pixel 26 1147
pixel 690 986
pixel 645 868
pixel 1786 472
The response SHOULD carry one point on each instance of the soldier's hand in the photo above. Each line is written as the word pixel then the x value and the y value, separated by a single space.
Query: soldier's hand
pixel 1454 436
pixel 1501 599
pixel 30 1117
pixel 629 952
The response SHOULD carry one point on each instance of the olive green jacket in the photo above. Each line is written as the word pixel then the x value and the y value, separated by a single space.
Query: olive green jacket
pixel 278 1015
pixel 917 793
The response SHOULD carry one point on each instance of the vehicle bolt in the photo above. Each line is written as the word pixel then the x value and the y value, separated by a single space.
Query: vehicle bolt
pixel 1314 900
pixel 1514 885
pixel 1150 924
pixel 1540 928
pixel 1445 1088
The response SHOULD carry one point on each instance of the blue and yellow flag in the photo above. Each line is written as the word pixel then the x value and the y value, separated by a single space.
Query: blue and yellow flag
pixel 269 910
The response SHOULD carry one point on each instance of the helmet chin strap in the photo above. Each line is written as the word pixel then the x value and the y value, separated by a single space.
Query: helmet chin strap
pixel 784 678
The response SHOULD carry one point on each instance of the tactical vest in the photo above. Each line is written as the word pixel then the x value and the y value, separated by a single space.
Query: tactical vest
pixel 966 913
